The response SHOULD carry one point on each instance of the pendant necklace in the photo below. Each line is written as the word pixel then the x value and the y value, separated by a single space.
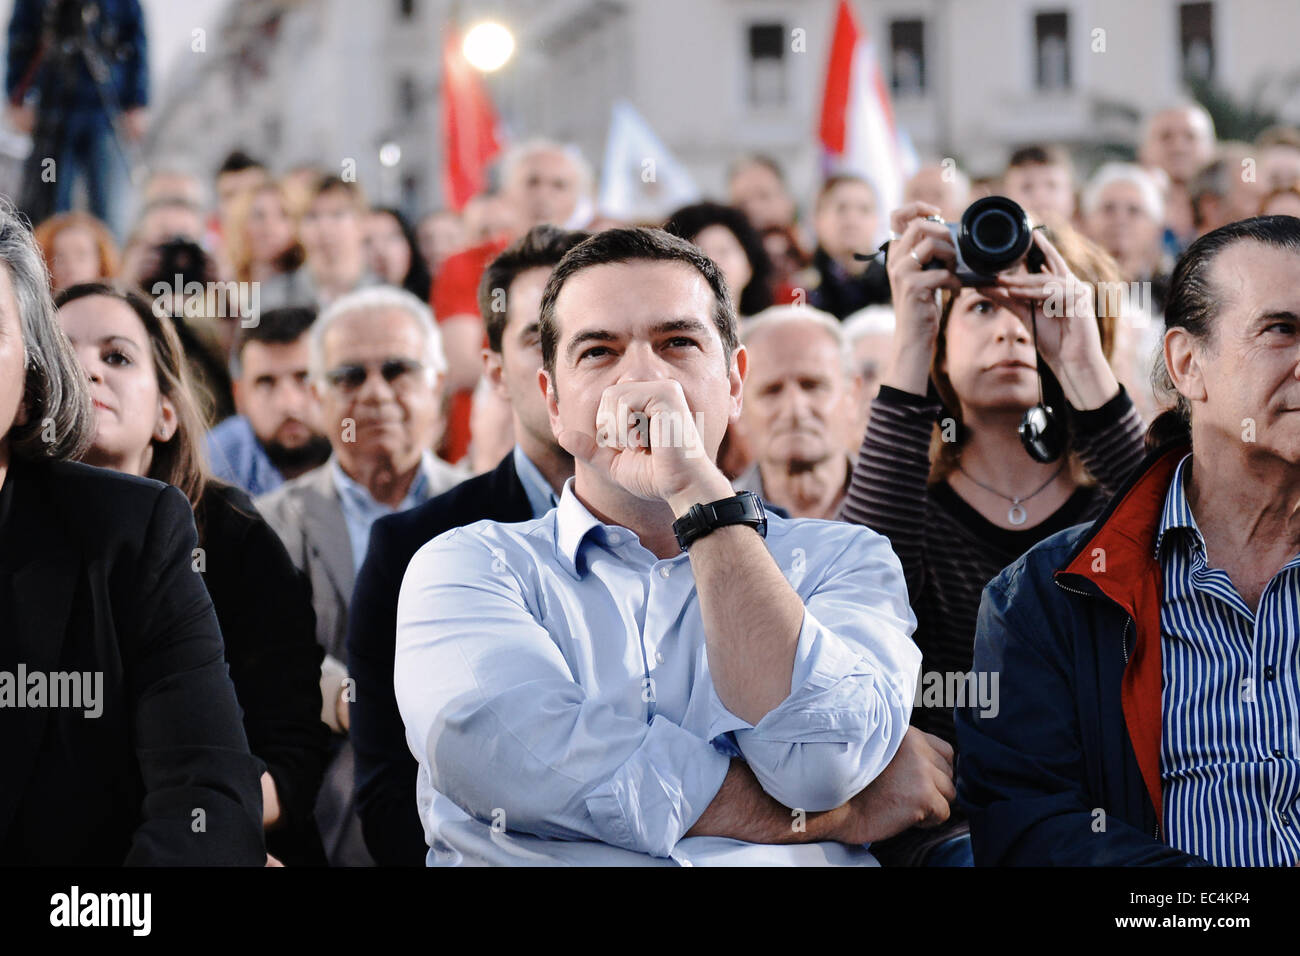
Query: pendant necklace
pixel 1016 514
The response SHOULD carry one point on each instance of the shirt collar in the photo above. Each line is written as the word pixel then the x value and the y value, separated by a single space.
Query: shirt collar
pixel 1176 515
pixel 541 496
pixel 573 522
pixel 358 494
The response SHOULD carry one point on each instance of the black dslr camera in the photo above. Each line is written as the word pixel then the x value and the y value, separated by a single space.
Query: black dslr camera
pixel 993 235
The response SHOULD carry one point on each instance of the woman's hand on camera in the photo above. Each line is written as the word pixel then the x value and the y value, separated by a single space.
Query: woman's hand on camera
pixel 1069 338
pixel 912 288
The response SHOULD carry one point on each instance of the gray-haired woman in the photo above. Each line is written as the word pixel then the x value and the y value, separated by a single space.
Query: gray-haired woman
pixel 120 735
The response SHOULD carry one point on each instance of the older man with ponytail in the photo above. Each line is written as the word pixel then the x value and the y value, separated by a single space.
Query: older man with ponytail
pixel 1148 660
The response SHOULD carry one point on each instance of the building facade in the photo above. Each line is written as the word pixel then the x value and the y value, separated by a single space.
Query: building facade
pixel 328 81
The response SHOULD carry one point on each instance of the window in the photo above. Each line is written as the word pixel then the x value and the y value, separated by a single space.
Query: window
pixel 907 57
pixel 407 97
pixel 1196 40
pixel 767 73
pixel 1052 51
pixel 412 195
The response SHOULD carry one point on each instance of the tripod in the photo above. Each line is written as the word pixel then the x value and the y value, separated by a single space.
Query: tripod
pixel 67 44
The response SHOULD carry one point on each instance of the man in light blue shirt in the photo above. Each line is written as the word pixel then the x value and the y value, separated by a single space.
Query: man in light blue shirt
pixel 579 689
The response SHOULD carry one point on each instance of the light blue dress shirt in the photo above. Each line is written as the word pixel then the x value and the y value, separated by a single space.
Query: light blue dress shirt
pixel 238 457
pixel 1229 752
pixel 555 689
pixel 539 491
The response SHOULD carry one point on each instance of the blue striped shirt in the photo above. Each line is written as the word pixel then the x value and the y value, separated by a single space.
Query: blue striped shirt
pixel 1229 760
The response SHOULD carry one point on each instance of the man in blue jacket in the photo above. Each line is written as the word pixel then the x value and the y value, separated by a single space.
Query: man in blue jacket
pixel 1148 662
pixel 74 67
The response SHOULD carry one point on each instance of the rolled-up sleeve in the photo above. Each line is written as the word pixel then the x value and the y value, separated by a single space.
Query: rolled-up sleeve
pixel 855 674
pixel 498 722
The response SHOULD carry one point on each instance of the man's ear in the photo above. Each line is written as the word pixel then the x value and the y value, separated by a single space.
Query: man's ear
pixel 168 421
pixel 494 372
pixel 1183 360
pixel 237 393
pixel 552 400
pixel 736 379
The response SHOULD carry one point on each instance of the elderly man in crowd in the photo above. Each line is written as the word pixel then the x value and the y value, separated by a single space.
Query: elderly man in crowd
pixel 870 334
pixel 552 674
pixel 940 184
pixel 800 410
pixel 1178 142
pixel 376 367
pixel 1147 661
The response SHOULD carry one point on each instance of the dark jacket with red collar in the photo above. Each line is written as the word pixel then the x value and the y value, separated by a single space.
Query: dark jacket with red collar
pixel 1065 769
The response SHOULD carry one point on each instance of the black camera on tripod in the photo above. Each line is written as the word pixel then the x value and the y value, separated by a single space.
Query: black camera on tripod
pixel 994 234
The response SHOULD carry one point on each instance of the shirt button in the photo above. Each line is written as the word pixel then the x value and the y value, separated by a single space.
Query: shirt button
pixel 1286 820
pixel 1269 672
pixel 614 537
pixel 659 657
pixel 665 571
pixel 1277 753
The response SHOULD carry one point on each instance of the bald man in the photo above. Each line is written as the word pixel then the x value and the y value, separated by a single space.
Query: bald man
pixel 799 409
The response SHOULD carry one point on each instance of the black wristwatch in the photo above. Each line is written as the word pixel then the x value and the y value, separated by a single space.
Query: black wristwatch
pixel 744 508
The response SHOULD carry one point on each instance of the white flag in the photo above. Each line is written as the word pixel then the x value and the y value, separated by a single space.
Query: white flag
pixel 641 181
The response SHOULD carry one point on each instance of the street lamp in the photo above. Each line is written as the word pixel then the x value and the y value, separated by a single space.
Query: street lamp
pixel 487 46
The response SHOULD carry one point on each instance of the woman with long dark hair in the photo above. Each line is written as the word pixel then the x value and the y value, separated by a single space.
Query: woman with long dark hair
pixel 726 237
pixel 148 422
pixel 394 252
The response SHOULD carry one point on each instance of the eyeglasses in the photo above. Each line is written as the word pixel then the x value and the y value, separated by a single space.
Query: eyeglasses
pixel 395 371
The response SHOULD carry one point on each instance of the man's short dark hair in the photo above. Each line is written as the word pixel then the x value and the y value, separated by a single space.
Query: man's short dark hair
pixel 638 244
pixel 1037 154
pixel 274 327
pixel 542 247
pixel 837 180
pixel 238 161
pixel 1194 303
pixel 330 184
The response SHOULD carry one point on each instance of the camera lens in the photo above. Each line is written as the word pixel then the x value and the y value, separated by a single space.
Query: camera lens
pixel 995 233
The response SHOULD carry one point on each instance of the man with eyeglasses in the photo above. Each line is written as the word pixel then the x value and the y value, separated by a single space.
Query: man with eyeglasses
pixel 376 364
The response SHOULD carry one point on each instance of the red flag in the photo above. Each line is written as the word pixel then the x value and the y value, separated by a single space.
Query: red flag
pixel 469 126
pixel 857 129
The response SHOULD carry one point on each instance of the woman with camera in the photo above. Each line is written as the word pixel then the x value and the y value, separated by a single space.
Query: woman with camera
pixel 942 470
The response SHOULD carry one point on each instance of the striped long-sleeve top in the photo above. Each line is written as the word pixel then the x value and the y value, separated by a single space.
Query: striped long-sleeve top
pixel 949 551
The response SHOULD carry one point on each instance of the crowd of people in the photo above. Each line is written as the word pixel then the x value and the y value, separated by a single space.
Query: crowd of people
pixel 395 595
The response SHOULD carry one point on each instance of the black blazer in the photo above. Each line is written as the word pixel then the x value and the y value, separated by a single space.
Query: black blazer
pixel 385 770
pixel 96 576
pixel 263 604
